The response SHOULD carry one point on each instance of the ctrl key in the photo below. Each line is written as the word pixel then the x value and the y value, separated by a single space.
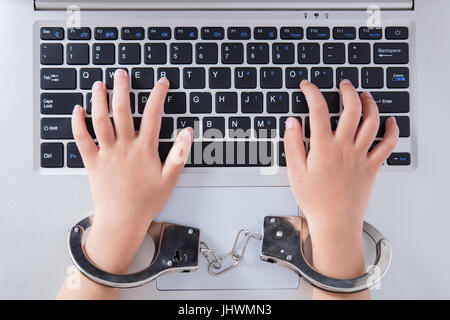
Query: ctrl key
pixel 399 159
pixel 52 155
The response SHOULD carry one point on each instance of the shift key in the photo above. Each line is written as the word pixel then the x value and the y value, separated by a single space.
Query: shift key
pixel 58 79
pixel 56 128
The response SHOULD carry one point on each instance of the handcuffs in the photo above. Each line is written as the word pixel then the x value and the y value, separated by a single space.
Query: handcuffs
pixel 177 249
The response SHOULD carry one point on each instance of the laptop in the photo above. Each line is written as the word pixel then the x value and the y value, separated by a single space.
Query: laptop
pixel 234 69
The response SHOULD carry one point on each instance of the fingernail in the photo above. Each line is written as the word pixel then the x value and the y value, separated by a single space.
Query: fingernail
pixel 393 119
pixel 366 94
pixel 304 82
pixel 188 133
pixel 289 123
pixel 97 85
pixel 120 73
pixel 164 80
pixel 346 81
pixel 77 108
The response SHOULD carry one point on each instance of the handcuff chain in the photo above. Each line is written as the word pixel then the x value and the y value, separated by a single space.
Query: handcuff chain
pixel 216 262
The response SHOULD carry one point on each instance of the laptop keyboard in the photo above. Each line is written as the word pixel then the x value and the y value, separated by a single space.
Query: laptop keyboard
pixel 235 86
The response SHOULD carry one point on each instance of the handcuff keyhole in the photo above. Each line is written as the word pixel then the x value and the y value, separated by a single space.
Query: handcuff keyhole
pixel 177 256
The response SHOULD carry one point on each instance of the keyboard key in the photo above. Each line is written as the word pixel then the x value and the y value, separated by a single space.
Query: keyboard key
pixel 109 76
pixel 106 33
pixel 370 33
pixel 265 127
pixel 180 53
pixel 56 128
pixel 129 53
pixel 200 102
pixel 277 102
pixel 252 102
pixel 83 33
pixel 167 128
pixel 398 78
pixel 226 102
pixel 206 53
pixel 77 53
pixel 189 122
pixel 172 74
pixel 283 124
pixel 392 101
pixel 283 53
pixel 333 101
pixel 155 53
pixel 265 33
pixel 391 53
pixel 175 103
pixel 359 53
pixel 186 33
pixel 142 78
pixel 220 78
pixel 245 78
pixel 132 33
pixel 397 33
pixel 351 74
pixel 402 122
pixel 281 155
pixel 318 33
pixel 164 149
pixel 88 76
pixel 322 77
pixel 58 79
pixel 257 53
pixel 159 33
pixel 212 33
pixel 142 101
pixel 399 159
pixel 334 53
pixel 52 155
pixel 232 53
pixel 249 154
pixel 239 33
pixel 294 76
pixel 194 78
pixel 299 104
pixel 52 33
pixel 60 103
pixel 344 33
pixel 372 78
pixel 291 33
pixel 103 53
pixel 214 127
pixel 207 154
pixel 74 159
pixel 308 53
pixel 51 53
pixel 239 127
pixel 271 78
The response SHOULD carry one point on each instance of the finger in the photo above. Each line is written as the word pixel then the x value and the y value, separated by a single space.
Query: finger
pixel 85 143
pixel 103 128
pixel 384 149
pixel 294 148
pixel 151 120
pixel 369 128
pixel 177 156
pixel 123 120
pixel 318 111
pixel 351 115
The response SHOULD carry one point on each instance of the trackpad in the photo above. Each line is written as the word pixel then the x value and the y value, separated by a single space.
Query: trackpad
pixel 220 213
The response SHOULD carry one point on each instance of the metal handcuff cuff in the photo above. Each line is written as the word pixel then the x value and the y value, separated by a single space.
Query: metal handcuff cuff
pixel 177 248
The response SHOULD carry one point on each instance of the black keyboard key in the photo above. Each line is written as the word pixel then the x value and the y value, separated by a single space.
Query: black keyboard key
pixel 51 53
pixel 291 33
pixel 83 33
pixel 164 149
pixel 265 33
pixel 109 77
pixel 214 127
pixel 281 155
pixel 398 78
pixel 399 159
pixel 265 127
pixel 249 154
pixel 88 76
pixel 142 78
pixel 60 103
pixel 172 74
pixel 180 53
pixel 271 78
pixel 213 33
pixel 277 102
pixel 56 128
pixel 392 101
pixel 252 102
pixel 226 102
pixel 129 53
pixel 106 33
pixel 103 53
pixel 391 53
pixel 52 155
pixel 88 105
pixel 52 33
pixel 283 53
pixel 206 53
pixel 283 125
pixel 194 78
pixel 294 76
pixel 351 74
pixel 232 53
pixel 334 121
pixel 402 122
pixel 189 122
pixel 318 33
pixel 220 78
pixel 239 33
pixel 257 53
pixel 77 53
pixel 366 33
pixel 334 53
pixel 333 101
pixel 175 103
pixel 155 53
pixel 186 33
pixel 344 33
pixel 58 79
pixel 372 78
pixel 308 53
pixel 322 77
pixel 239 127
pixel 245 78
pixel 142 101
pixel 132 33
pixel 397 33
pixel 74 159
pixel 200 102
pixel 207 154
pixel 167 128
pixel 299 104
pixel 159 33
pixel 359 53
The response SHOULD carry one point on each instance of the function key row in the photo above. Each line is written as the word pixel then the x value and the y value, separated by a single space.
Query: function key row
pixel 233 33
